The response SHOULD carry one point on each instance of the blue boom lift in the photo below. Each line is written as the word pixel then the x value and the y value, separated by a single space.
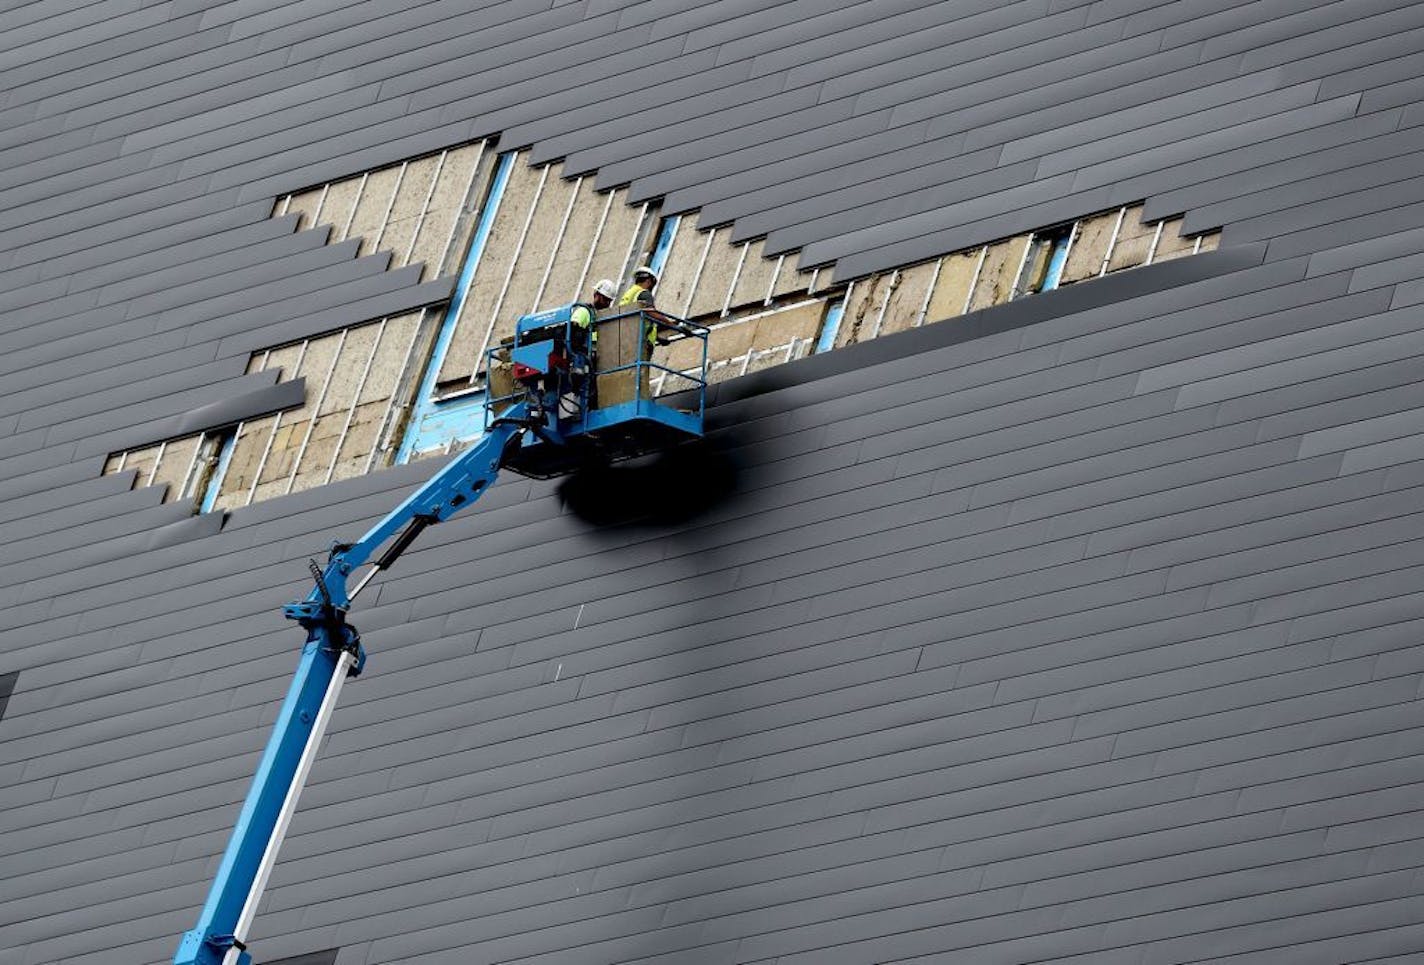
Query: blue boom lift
pixel 553 406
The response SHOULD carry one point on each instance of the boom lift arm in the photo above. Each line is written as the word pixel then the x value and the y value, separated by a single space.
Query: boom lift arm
pixel 541 382
pixel 331 654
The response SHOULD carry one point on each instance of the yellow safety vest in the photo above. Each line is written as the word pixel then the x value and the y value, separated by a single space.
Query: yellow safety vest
pixel 630 300
pixel 630 297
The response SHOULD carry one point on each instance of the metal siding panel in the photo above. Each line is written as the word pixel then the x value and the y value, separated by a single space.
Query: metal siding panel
pixel 801 722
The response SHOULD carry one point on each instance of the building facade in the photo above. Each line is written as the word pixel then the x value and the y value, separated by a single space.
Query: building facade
pixel 1058 599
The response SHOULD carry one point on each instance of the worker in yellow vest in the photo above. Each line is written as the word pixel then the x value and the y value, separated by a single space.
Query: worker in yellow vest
pixel 640 293
pixel 585 337
pixel 603 293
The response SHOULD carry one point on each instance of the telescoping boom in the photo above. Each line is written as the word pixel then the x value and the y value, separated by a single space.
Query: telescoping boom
pixel 551 407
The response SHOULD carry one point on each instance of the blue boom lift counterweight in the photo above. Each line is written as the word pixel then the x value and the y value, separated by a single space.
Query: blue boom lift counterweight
pixel 553 406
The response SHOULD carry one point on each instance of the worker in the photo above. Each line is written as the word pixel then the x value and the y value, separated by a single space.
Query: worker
pixel 603 294
pixel 640 293
pixel 583 317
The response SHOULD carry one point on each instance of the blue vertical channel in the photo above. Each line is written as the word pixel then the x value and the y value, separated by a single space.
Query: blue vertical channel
pixel 425 404
pixel 665 235
pixel 827 341
pixel 1056 261
pixel 210 495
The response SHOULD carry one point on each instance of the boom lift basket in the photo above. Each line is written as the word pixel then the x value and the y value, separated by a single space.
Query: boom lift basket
pixel 606 409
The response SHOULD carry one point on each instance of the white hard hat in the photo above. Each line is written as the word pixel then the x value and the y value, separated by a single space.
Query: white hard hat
pixel 645 270
pixel 606 288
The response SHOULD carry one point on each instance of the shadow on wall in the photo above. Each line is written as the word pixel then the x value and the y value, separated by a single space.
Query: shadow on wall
pixel 671 487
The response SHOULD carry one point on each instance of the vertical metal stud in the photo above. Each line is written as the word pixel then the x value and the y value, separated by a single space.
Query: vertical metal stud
pixel 885 303
pixel 929 293
pixel 355 401
pixel 424 208
pixel 1112 241
pixel 351 216
pixel 697 275
pixel 558 243
pixel 1156 239
pixel 504 289
pixel 775 274
pixel 271 436
pixel 1196 246
pixel 320 203
pixel 736 276
pixel 633 241
pixel 316 409
pixel 123 459
pixel 464 198
pixel 187 479
pixel 1015 290
pixel 597 236
pixel 974 280
pixel 1072 240
pixel 153 470
pixel 382 443
pixel 390 206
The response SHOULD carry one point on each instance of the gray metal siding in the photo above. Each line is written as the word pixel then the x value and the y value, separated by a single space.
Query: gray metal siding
pixel 1080 629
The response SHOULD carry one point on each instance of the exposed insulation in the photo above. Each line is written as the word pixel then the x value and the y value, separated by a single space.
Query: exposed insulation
pixel 286 358
pixel 715 279
pixel 754 280
pixel 1134 241
pixel 951 288
pixel 371 209
pixel 496 260
pixel 407 212
pixel 620 231
pixel 540 247
pixel 686 353
pixel 573 249
pixel 173 467
pixel 316 367
pixel 1210 242
pixel 341 198
pixel 862 307
pixel 1171 244
pixel 564 233
pixel 797 321
pixel 306 204
pixel 394 368
pixel 907 299
pixel 141 460
pixel 362 436
pixel 351 366
pixel 779 355
pixel 388 364
pixel 996 276
pixel 680 269
pixel 247 452
pixel 1090 247
pixel 790 280
pixel 450 208
pixel 1035 266
pixel 319 451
